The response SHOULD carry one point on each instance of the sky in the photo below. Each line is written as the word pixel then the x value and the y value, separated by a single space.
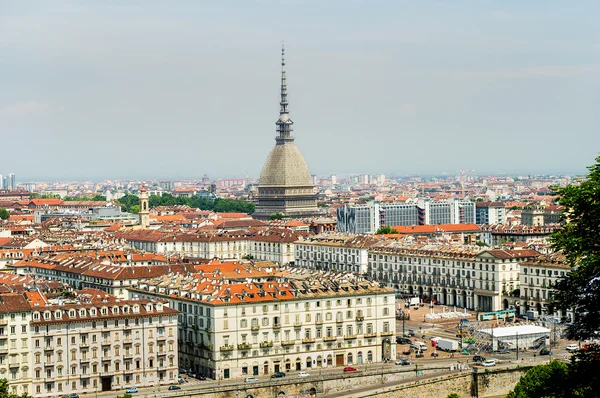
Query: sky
pixel 176 89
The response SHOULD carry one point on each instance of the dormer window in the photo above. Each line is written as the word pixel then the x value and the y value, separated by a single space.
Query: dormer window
pixel 82 313
pixel 115 310
pixel 72 313
pixel 47 315
pixel 36 315
pixel 58 314
pixel 93 312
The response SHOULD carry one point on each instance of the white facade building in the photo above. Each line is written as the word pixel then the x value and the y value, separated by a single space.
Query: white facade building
pixel 305 321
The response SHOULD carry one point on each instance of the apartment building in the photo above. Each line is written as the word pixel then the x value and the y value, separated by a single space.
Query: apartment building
pixel 537 279
pixel 490 213
pixel 300 320
pixel 89 346
pixel 86 271
pixel 268 244
pixel 336 252
pixel 541 216
pixel 458 275
pixel 15 348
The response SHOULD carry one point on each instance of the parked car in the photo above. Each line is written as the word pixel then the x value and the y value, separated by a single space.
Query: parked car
pixel 402 340
pixel 74 395
pixel 349 369
pixel 572 347
pixel 489 362
pixel 181 380
pixel 544 351
pixel 277 375
pixel 192 374
pixel 411 333
pixel 402 361
pixel 201 377
pixel 303 374
pixel 131 390
pixel 182 371
pixel 250 379
pixel 174 388
pixel 478 358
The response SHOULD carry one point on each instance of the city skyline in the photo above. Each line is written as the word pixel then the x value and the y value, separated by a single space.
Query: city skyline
pixel 142 91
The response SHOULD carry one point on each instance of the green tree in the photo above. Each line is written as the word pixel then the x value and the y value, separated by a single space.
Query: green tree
pixel 578 240
pixel 453 395
pixel 135 209
pixel 543 381
pixel 276 216
pixel 385 230
pixel 4 214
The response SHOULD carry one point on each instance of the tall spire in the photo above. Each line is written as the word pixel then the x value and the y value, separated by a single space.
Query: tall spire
pixel 284 124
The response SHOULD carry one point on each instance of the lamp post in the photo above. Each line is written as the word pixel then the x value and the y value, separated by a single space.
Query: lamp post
pixel 517 346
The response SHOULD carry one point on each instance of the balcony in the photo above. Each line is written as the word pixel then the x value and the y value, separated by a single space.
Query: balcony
pixel 127 340
pixel 84 344
pixel 308 341
pixel 244 346
pixel 128 356
pixel 266 344
pixel 339 320
pixel 3 336
pixel 49 379
pixel 228 347
pixel 388 333
pixel 162 353
pixel 254 328
pixel 370 335
pixel 288 342
pixel 84 360
pixel 319 322
pixel 106 342
pixel 161 337
pixel 3 350
pixel 330 338
pixel 3 322
pixel 49 362
pixel 49 348
pixel 277 326
pixel 297 325
pixel 350 337
pixel 360 318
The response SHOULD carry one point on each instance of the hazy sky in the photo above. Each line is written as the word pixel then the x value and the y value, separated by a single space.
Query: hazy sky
pixel 176 89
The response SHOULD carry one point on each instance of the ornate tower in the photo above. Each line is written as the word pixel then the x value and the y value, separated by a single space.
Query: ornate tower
pixel 144 210
pixel 285 184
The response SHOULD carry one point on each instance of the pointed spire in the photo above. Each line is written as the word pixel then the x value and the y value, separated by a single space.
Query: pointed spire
pixel 284 124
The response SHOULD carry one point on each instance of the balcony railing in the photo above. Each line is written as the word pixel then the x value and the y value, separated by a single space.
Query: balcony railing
pixel 339 320
pixel 370 335
pixel 277 326
pixel 319 321
pixel 288 342
pixel 49 348
pixel 388 333
pixel 308 341
pixel 350 337
pixel 330 338
pixel 254 328
pixel 266 344
pixel 360 318
pixel 244 346
pixel 228 347
pixel 297 324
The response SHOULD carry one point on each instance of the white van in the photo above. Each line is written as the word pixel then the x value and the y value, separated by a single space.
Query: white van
pixel 572 347
pixel 250 379
pixel 420 345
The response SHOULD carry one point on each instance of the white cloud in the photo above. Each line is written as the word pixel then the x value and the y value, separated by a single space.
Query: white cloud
pixel 28 108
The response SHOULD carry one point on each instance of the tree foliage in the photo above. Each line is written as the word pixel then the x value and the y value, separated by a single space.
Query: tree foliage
pixel 276 216
pixel 579 242
pixel 4 214
pixel 543 381
pixel 385 230
pixel 453 395
pixel 219 205
pixel 93 198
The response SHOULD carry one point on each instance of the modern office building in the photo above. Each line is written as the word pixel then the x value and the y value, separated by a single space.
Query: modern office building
pixel 490 213
pixel 366 219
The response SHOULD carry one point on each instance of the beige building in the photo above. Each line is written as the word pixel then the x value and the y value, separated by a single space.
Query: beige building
pixel 457 275
pixel 538 277
pixel 93 346
pixel 303 320
pixel 15 346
